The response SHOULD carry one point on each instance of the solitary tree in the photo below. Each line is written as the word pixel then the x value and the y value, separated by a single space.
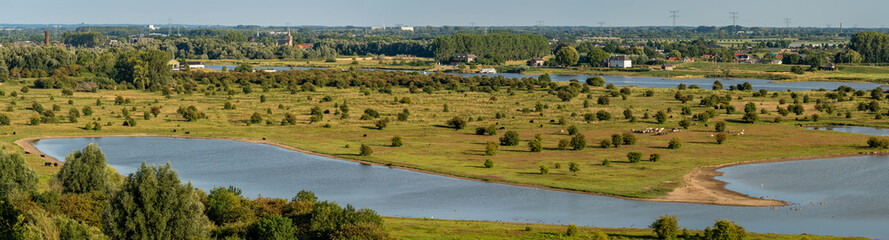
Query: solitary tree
pixel 491 149
pixel 396 141
pixel 535 146
pixel 721 137
pixel 578 142
pixel 634 157
pixel 720 126
pixel 675 143
pixel 457 123
pixel 365 150
pixel 665 227
pixel 661 117
pixel 273 226
pixel 84 171
pixel 510 138
pixel 153 204
pixel 725 229
pixel 567 56
pixel 15 175
pixel 574 167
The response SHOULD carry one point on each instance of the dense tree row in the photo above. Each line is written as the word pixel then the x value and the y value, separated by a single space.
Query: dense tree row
pixel 87 39
pixel 508 46
pixel 414 48
pixel 873 46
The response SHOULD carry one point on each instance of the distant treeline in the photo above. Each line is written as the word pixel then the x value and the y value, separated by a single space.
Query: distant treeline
pixel 507 46
pixel 388 48
pixel 873 46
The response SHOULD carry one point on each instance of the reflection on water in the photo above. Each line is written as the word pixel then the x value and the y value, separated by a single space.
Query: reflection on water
pixel 854 189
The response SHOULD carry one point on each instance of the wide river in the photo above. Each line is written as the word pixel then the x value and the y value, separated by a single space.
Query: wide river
pixel 839 197
pixel 654 82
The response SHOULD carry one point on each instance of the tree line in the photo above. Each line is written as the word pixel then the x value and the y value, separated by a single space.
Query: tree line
pixel 508 46
pixel 873 46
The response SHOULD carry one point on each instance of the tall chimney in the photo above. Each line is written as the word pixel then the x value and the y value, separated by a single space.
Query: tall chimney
pixel 46 38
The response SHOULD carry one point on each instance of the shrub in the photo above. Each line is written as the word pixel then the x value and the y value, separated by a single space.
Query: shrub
pixel 572 130
pixel 255 118
pixel 535 146
pixel 603 100
pixel 629 139
pixel 725 230
pixel 564 143
pixel 665 227
pixel 616 140
pixel 874 142
pixel 574 167
pixel 457 123
pixel 661 117
pixel 675 143
pixel 751 117
pixel 365 150
pixel 491 148
pixel 654 157
pixel 684 123
pixel 721 137
pixel 5 121
pixel 510 138
pixel 572 230
pixel 544 169
pixel 595 81
pixel 605 143
pixel 606 162
pixel 634 157
pixel 489 163
pixel 396 141
pixel 578 142
pixel 272 227
pixel 382 123
pixel 602 115
pixel 190 113
pixel 720 126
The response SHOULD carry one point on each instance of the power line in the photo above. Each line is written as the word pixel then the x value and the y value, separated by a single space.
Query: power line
pixel 787 22
pixel 734 18
pixel 673 14
pixel 601 24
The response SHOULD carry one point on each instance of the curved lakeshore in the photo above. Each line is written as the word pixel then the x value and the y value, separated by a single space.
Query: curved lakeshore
pixel 700 185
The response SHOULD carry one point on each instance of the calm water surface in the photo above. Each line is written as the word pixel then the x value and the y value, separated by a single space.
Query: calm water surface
pixel 851 196
pixel 655 82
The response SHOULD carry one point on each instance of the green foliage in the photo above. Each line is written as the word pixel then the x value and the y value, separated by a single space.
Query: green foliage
pixel 15 175
pixel 629 139
pixel 365 150
pixel 595 81
pixel 190 113
pixel 272 227
pixel 506 45
pixel 634 157
pixel 491 148
pixel 489 163
pixel 572 230
pixel 665 227
pixel 153 204
pixel 396 141
pixel 510 138
pixel 875 142
pixel 617 140
pixel 567 56
pixel 597 57
pixel 675 143
pixel 721 137
pixel 654 157
pixel 725 230
pixel 225 206
pixel 572 130
pixel 574 167
pixel 457 123
pixel 603 115
pixel 544 169
pixel 661 117
pixel 720 126
pixel 255 118
pixel 606 143
pixel 535 146
pixel 85 171
pixel 12 224
pixel 578 142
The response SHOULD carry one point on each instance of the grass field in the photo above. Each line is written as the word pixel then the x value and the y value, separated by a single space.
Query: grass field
pixel 412 228
pixel 431 146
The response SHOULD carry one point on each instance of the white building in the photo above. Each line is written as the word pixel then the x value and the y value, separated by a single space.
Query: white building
pixel 620 62
pixel 407 28
pixel 488 71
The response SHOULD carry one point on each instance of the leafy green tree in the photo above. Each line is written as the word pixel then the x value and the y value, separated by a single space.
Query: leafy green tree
pixel 665 227
pixel 544 169
pixel 684 123
pixel 489 163
pixel 510 138
pixel 12 224
pixel 717 85
pixel 574 167
pixel 721 137
pixel 597 57
pixel 572 230
pixel 675 143
pixel 190 113
pixel 15 175
pixel 457 123
pixel 720 126
pixel 661 117
pixel 578 142
pixel 396 141
pixel 491 148
pixel 256 118
pixel 85 171
pixel 153 204
pixel 629 139
pixel 725 230
pixel 567 56
pixel 272 227
pixel 535 146
pixel 654 157
pixel 595 81
pixel 634 157
pixel 365 150
pixel 226 206
pixel 572 130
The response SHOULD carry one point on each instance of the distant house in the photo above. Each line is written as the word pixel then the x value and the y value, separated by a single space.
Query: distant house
pixel 407 28
pixel 688 60
pixel 467 58
pixel 287 41
pixel 193 65
pixel 828 67
pixel 668 67
pixel 742 57
pixel 673 59
pixel 305 45
pixel 775 61
pixel 173 64
pixel 488 71
pixel 620 62
pixel 536 62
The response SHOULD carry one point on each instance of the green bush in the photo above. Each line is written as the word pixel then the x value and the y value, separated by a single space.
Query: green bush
pixel 544 169
pixel 629 139
pixel 457 123
pixel 489 163
pixel 510 138
pixel 578 142
pixel 535 145
pixel 675 143
pixel 634 157
pixel 721 137
pixel 616 140
pixel 396 141
pixel 725 230
pixel 572 230
pixel 665 227
pixel 491 148
pixel 365 150
pixel 654 157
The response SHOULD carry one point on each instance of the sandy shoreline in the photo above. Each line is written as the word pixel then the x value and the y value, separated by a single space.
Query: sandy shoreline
pixel 700 186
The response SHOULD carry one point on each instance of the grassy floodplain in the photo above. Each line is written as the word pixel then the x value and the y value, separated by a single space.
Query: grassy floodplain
pixel 413 228
pixel 430 145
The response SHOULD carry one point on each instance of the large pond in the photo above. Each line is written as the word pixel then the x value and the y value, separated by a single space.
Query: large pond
pixel 839 197
pixel 654 82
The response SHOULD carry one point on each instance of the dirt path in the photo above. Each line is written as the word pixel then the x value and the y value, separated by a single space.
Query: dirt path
pixel 700 187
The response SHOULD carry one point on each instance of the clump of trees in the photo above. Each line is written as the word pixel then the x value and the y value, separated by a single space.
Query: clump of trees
pixel 510 138
pixel 875 142
pixel 665 227
pixel 675 143
pixel 457 123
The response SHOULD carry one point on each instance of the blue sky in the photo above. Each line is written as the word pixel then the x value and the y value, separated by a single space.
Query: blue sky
pixel 816 13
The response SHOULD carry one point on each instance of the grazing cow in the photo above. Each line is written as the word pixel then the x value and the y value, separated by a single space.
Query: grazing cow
pixel 532 121
pixel 263 139
pixel 501 128
pixel 47 164
pixel 174 130
pixel 26 152
pixel 541 125
pixel 552 120
pixel 41 155
pixel 365 135
pixel 55 164
pixel 188 132
pixel 13 133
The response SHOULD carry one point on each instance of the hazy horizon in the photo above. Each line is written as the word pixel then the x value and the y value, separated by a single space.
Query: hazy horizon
pixel 753 13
